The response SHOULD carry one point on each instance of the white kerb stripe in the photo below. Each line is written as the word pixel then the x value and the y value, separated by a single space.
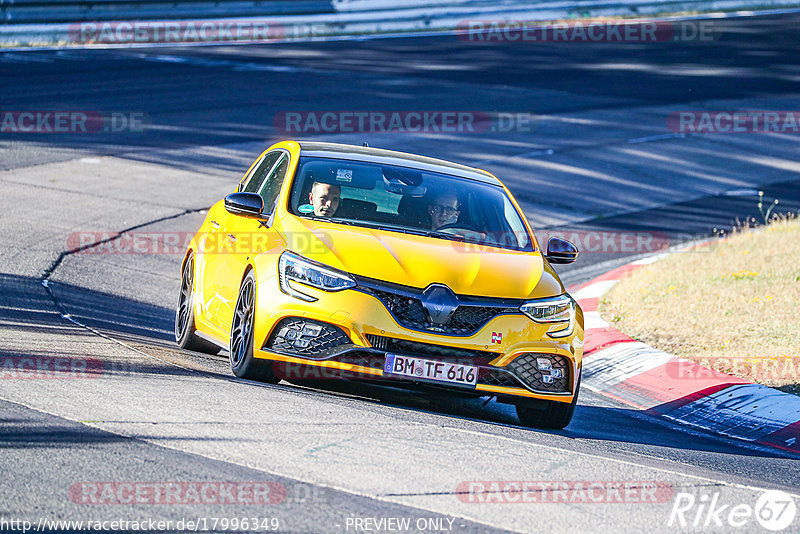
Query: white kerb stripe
pixel 608 367
pixel 593 291
pixel 746 411
pixel 593 320
pixel 650 259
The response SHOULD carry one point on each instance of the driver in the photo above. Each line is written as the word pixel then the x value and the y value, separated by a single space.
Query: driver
pixel 325 198
pixel 444 209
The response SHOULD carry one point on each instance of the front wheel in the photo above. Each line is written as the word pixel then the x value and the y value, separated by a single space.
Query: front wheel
pixel 548 414
pixel 184 314
pixel 243 363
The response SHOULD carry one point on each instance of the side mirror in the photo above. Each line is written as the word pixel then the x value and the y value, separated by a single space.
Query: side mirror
pixel 561 251
pixel 245 204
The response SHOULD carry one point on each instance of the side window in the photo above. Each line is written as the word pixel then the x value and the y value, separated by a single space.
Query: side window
pixel 272 185
pixel 253 182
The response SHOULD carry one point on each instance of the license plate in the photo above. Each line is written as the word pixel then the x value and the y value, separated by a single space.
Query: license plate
pixel 430 370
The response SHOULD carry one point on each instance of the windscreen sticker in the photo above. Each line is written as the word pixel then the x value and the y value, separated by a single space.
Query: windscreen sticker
pixel 344 175
pixel 305 208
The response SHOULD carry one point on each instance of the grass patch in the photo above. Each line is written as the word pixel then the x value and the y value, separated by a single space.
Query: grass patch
pixel 733 306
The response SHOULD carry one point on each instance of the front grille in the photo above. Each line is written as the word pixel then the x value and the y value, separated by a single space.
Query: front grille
pixel 406 306
pixel 555 379
pixel 440 352
pixel 306 337
pixel 490 377
pixel 469 319
pixel 407 310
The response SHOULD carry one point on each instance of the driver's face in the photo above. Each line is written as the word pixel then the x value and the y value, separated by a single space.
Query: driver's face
pixel 443 210
pixel 325 199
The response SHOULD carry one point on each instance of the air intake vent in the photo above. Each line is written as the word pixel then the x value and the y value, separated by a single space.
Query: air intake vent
pixel 305 337
pixel 542 372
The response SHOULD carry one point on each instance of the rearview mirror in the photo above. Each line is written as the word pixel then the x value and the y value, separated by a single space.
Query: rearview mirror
pixel 245 204
pixel 561 251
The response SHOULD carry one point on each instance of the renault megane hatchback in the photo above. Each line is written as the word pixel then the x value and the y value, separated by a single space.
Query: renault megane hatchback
pixel 366 264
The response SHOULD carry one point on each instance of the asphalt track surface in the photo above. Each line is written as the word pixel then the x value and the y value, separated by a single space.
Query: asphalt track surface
pixel 599 158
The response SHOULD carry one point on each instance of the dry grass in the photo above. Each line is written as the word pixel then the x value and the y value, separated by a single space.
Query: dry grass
pixel 733 306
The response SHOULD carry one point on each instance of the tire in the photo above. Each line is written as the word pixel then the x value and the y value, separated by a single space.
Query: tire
pixel 243 363
pixel 548 414
pixel 185 329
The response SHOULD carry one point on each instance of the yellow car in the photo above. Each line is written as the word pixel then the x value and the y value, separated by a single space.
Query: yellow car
pixel 338 261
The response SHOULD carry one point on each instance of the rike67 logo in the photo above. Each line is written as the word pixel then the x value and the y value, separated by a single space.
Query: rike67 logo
pixel 774 510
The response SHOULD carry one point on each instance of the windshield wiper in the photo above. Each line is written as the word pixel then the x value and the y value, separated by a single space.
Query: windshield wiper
pixel 393 228
pixel 349 222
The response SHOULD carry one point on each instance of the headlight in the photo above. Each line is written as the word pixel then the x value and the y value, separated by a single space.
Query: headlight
pixel 293 268
pixel 560 309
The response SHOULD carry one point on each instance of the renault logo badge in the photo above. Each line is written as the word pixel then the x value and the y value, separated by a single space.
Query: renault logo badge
pixel 440 303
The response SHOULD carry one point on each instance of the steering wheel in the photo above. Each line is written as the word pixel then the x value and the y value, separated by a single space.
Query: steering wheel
pixel 460 225
pixel 468 231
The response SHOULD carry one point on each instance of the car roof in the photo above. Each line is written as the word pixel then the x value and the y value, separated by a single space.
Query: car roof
pixel 391 157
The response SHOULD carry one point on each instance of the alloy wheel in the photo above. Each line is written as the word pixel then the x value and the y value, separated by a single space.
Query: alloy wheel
pixel 242 332
pixel 183 313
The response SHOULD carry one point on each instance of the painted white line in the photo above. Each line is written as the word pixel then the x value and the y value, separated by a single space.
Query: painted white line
pixel 240 66
pixel 741 193
pixel 659 137
pixel 596 290
pixel 608 367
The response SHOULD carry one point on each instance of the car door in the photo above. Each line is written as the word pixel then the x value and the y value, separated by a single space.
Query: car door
pixel 214 251
pixel 244 237
pixel 206 257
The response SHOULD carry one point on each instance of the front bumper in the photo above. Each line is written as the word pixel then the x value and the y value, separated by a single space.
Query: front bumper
pixel 348 334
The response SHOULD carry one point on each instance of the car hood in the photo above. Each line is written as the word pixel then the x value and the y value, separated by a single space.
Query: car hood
pixel 419 261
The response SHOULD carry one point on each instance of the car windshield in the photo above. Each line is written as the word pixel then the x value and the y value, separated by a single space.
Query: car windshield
pixel 408 200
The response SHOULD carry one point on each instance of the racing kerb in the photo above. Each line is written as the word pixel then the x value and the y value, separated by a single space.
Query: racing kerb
pixel 641 376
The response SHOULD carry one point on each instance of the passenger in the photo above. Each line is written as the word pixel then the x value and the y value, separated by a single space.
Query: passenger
pixel 325 199
pixel 444 209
